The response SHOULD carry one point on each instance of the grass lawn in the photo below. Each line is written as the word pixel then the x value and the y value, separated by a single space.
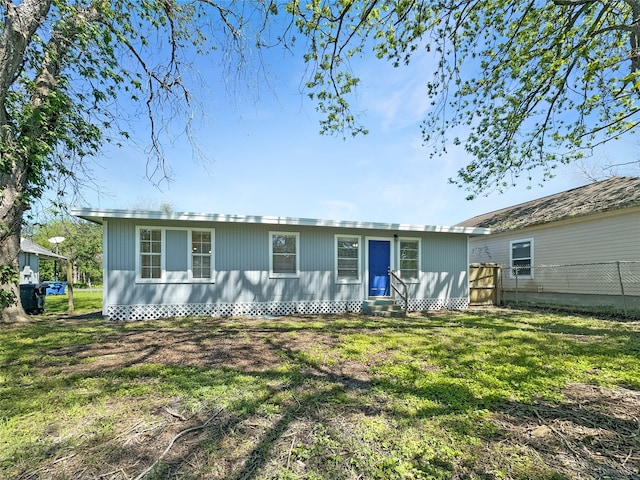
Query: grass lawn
pixel 84 301
pixel 491 394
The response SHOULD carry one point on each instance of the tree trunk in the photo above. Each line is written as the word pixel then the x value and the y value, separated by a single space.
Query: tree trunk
pixel 11 210
pixel 70 285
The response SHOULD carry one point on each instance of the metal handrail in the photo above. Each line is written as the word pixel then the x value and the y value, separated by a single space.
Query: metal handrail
pixel 395 278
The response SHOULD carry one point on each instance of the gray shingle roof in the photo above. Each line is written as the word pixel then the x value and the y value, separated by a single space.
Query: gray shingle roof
pixel 28 246
pixel 611 194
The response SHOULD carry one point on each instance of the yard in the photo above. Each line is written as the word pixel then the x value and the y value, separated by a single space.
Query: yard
pixel 487 394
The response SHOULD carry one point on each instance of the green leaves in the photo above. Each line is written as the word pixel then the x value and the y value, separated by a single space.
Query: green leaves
pixel 520 85
pixel 70 71
pixel 525 84
pixel 8 275
pixel 82 246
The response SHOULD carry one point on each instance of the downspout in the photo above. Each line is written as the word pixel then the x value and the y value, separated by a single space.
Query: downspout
pixel 105 267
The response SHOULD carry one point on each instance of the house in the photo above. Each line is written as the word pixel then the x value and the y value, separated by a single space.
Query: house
pixel 581 246
pixel 159 264
pixel 29 260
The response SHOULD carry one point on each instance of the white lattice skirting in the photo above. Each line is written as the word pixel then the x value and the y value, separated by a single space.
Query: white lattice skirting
pixel 276 309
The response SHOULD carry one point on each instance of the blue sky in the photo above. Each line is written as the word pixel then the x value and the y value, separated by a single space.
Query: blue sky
pixel 266 157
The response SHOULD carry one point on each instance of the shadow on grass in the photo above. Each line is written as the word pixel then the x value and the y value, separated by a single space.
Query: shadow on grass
pixel 452 370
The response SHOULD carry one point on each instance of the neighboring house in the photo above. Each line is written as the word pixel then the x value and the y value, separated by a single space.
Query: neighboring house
pixel 160 264
pixel 572 247
pixel 29 260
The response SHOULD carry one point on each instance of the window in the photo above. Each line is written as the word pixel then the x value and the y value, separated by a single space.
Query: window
pixel 201 254
pixel 347 259
pixel 150 253
pixel 409 259
pixel 283 254
pixel 174 255
pixel 522 258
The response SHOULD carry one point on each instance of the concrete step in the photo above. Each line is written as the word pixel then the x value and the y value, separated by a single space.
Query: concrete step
pixel 382 307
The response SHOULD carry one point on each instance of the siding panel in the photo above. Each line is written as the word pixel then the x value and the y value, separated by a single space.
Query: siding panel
pixel 241 258
pixel 121 262
pixel 445 272
pixel 610 237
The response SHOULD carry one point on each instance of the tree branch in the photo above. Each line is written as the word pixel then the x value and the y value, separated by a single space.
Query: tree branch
pixel 20 24
pixel 572 3
pixel 173 440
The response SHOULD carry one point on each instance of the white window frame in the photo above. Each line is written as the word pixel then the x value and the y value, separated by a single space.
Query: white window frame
pixel 273 274
pixel 139 277
pixel 358 279
pixel 419 269
pixel 175 277
pixel 511 259
pixel 212 257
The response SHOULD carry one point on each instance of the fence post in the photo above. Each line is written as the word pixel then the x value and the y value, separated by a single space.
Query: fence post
pixel 497 279
pixel 624 300
pixel 517 299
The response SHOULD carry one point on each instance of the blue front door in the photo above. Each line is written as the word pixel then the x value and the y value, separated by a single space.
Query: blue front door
pixel 379 262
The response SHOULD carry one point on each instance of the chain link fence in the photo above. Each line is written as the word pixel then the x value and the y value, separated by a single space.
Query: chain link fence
pixel 611 286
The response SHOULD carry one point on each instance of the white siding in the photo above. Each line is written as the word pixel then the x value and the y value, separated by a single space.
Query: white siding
pixel 608 237
pixel 29 268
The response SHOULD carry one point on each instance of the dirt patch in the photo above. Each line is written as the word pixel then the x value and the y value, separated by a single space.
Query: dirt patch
pixel 593 434
pixel 199 347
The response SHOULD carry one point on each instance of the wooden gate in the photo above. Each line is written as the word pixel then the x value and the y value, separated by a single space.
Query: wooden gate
pixel 484 284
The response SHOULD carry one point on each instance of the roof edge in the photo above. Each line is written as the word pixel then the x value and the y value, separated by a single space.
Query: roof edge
pixel 29 246
pixel 605 196
pixel 100 215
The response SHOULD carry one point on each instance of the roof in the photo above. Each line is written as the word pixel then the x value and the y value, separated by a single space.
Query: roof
pixel 612 194
pixel 99 216
pixel 27 246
